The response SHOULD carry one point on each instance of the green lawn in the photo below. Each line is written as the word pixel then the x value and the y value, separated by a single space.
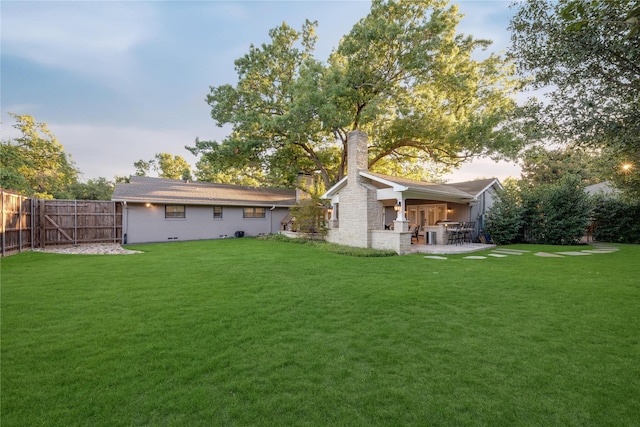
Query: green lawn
pixel 260 333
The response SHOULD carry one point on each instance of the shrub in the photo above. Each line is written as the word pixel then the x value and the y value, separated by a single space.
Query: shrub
pixel 616 221
pixel 563 212
pixel 504 222
pixel 331 247
pixel 555 214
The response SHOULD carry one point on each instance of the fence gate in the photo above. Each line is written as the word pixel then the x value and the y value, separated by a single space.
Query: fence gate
pixel 31 223
pixel 17 222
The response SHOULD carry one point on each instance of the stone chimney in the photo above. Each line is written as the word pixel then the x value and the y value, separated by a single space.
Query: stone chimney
pixel 357 153
pixel 303 185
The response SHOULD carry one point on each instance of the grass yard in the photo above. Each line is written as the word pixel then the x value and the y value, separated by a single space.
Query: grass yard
pixel 243 332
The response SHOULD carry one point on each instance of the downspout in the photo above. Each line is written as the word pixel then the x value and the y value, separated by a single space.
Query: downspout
pixel 271 219
pixel 125 222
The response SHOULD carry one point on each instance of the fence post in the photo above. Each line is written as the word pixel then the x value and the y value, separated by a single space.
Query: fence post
pixel 75 222
pixel 43 231
pixel 19 223
pixel 115 223
pixel 32 206
pixel 4 239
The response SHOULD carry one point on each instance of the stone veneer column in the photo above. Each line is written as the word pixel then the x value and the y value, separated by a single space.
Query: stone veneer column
pixel 360 212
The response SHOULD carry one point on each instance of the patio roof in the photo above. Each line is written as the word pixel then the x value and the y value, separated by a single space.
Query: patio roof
pixel 390 187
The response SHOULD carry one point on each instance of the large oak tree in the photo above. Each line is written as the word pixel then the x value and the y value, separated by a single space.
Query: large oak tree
pixel 402 74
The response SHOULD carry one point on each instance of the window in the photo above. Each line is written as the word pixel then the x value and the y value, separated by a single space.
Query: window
pixel 217 212
pixel 254 213
pixel 436 213
pixel 174 211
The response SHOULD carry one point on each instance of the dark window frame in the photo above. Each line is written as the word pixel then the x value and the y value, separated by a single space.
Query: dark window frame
pixel 252 213
pixel 176 213
pixel 218 215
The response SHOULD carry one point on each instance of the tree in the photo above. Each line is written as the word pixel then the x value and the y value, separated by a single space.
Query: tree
pixel 557 213
pixel 504 219
pixel 542 166
pixel 94 189
pixel 401 74
pixel 554 214
pixel 616 220
pixel 592 73
pixel 621 13
pixel 167 166
pixel 35 163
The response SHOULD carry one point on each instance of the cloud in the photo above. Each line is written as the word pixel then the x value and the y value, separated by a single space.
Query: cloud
pixel 484 167
pixel 95 38
pixel 106 151
pixel 484 14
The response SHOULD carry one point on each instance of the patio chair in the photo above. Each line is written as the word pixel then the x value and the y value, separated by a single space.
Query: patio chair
pixel 455 234
pixel 415 234
pixel 468 231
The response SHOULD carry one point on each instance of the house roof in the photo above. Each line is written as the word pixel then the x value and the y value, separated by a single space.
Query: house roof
pixel 160 190
pixel 454 192
pixel 604 188
pixel 476 187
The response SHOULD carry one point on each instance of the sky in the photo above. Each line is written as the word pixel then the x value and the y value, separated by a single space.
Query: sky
pixel 119 81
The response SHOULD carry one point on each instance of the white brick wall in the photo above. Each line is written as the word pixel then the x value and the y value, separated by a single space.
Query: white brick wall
pixel 361 214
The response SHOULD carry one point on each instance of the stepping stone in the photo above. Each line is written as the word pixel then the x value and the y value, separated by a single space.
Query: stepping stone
pixel 546 254
pixel 498 255
pixel 506 252
pixel 435 257
pixel 475 257
pixel 512 250
pixel 597 251
pixel 572 253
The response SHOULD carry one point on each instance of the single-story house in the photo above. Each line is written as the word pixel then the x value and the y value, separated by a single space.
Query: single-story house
pixel 158 209
pixel 378 211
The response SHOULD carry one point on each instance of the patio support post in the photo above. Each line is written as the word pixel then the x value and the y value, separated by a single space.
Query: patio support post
pixel 401 223
pixel 333 220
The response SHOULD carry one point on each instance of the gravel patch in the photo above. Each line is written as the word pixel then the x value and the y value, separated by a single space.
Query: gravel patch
pixel 90 249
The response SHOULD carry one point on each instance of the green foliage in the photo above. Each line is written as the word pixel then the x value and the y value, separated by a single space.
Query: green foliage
pixel 543 166
pixel 166 165
pixel 93 189
pixel 309 216
pixel 504 219
pixel 555 214
pixel 231 175
pixel 591 75
pixel 35 164
pixel 616 221
pixel 624 14
pixel 331 247
pixel 402 74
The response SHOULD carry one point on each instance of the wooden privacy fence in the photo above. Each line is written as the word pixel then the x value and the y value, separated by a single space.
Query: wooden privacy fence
pixel 34 223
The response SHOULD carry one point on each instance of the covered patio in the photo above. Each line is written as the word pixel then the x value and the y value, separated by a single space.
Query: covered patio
pixel 378 211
